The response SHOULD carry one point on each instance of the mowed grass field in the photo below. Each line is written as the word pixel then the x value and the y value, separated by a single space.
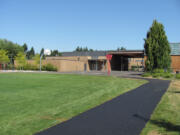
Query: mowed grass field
pixel 31 102
pixel 165 120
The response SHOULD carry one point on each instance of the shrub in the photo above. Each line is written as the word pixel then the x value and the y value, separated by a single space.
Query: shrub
pixel 156 75
pixel 167 75
pixel 177 76
pixel 49 67
pixel 147 74
pixel 27 66
pixel 10 66
pixel 169 70
pixel 133 68
pixel 158 71
pixel 30 67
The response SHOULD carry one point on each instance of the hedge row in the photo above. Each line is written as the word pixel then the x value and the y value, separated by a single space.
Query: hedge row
pixel 161 73
pixel 47 67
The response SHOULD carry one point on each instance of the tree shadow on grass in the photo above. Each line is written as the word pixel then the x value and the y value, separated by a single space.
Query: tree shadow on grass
pixel 176 92
pixel 168 126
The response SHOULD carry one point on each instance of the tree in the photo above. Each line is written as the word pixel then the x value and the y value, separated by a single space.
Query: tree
pixel 42 53
pixel 91 50
pixel 121 49
pixel 85 49
pixel 3 57
pixel 30 54
pixel 157 48
pixel 21 59
pixel 11 48
pixel 25 47
pixel 55 53
pixel 81 49
pixel 77 49
pixel 36 58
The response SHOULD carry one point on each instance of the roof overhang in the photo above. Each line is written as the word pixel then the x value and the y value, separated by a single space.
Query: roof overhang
pixel 135 54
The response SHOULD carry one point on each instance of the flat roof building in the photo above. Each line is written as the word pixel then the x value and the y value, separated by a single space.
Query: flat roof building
pixel 123 60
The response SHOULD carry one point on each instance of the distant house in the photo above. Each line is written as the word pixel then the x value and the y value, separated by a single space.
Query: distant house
pixel 121 60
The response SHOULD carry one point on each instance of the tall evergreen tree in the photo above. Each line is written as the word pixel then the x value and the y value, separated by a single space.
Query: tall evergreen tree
pixel 121 48
pixel 30 53
pixel 25 47
pixel 55 53
pixel 157 48
pixel 42 53
pixel 83 49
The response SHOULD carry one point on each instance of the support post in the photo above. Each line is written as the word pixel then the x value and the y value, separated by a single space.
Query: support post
pixel 96 66
pixel 109 57
pixel 40 62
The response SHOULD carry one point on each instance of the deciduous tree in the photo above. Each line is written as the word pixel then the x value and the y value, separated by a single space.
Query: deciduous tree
pixel 21 59
pixel 25 47
pixel 11 48
pixel 36 58
pixel 3 57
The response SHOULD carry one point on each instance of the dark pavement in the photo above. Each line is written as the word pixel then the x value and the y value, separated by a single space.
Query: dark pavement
pixel 124 115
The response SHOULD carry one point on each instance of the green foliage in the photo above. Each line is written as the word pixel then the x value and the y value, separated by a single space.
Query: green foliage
pixel 133 68
pixel 83 49
pixel 30 54
pixel 158 70
pixel 3 57
pixel 161 73
pixel 55 53
pixel 11 48
pixel 21 60
pixel 156 75
pixel 30 67
pixel 36 58
pixel 25 48
pixel 42 53
pixel 167 75
pixel 121 48
pixel 9 66
pixel 136 68
pixel 157 48
pixel 177 76
pixel 49 67
pixel 147 74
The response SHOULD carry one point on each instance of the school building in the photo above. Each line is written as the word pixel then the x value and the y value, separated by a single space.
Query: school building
pixel 128 60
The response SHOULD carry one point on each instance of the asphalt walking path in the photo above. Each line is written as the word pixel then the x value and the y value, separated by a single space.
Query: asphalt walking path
pixel 126 114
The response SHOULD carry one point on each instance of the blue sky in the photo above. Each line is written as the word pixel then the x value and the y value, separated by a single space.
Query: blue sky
pixel 97 24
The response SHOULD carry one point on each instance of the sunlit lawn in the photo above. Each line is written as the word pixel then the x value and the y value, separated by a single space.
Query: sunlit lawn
pixel 32 102
pixel 165 120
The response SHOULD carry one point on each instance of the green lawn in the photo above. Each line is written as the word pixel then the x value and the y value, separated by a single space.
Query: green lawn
pixel 165 120
pixel 32 102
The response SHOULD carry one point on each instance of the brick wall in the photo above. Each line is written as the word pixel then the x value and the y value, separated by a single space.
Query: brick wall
pixel 175 63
